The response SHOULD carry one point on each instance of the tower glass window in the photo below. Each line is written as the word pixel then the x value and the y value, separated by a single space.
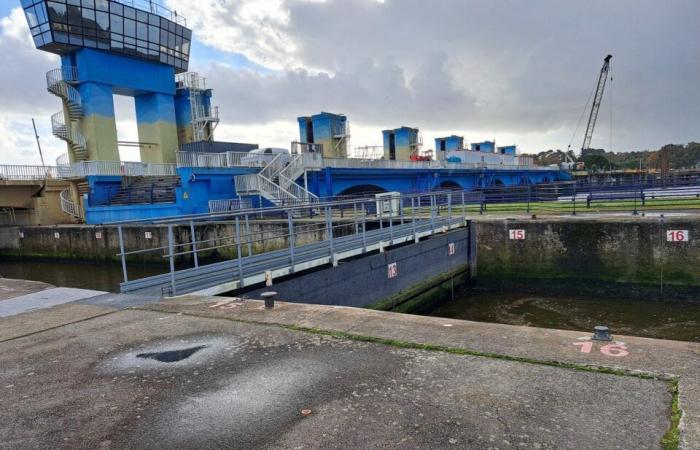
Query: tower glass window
pixel 136 28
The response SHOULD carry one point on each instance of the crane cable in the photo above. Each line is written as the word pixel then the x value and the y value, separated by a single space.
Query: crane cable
pixel 611 108
pixel 583 113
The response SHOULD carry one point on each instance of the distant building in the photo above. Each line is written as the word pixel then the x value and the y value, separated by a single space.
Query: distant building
pixel 327 129
pixel 448 144
pixel 401 143
pixel 507 150
pixel 484 147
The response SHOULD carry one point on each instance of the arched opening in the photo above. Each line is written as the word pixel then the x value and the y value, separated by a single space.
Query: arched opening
pixel 362 189
pixel 497 182
pixel 450 185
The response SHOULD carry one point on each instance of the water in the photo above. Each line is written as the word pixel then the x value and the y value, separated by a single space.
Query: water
pixel 88 275
pixel 637 317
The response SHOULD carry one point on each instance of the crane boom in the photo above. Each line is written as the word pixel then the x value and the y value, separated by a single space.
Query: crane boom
pixel 602 79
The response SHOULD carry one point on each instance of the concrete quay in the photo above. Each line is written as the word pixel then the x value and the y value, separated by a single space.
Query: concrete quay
pixel 113 371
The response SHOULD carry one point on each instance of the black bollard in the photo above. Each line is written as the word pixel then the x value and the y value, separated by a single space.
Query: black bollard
pixel 269 298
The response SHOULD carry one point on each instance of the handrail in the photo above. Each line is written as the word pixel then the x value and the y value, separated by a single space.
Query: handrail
pixel 69 207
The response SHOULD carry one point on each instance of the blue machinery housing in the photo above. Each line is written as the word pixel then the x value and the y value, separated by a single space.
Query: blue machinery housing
pixel 140 49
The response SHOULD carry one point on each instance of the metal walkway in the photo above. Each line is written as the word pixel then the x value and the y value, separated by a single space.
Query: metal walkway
pixel 229 275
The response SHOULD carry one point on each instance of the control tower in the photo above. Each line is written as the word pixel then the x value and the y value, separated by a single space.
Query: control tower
pixel 126 47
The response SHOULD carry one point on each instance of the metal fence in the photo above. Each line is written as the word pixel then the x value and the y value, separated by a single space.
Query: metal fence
pixel 252 244
pixel 11 172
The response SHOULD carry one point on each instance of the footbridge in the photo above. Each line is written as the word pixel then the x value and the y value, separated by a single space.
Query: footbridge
pixel 262 245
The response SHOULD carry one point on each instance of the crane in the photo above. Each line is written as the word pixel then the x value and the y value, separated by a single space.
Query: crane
pixel 593 117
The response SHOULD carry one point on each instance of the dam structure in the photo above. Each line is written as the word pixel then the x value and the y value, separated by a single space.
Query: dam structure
pixel 142 50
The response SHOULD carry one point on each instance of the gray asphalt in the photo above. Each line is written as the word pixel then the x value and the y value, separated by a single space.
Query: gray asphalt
pixel 100 384
pixel 44 299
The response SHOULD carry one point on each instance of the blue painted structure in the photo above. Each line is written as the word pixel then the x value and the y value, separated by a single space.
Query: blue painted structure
pixel 336 182
pixel 108 48
pixel 486 147
pixel 327 129
pixel 507 150
pixel 199 185
pixel 448 144
pixel 400 143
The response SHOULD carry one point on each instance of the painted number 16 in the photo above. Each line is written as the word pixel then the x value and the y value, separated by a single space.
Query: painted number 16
pixel 616 350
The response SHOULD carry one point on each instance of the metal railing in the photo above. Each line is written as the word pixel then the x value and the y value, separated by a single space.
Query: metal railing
pixel 229 205
pixel 122 168
pixel 315 161
pixel 295 238
pixel 19 172
pixel 69 207
pixel 219 160
pixel 86 168
pixel 155 8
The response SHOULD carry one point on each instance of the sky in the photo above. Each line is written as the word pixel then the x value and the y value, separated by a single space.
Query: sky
pixel 519 72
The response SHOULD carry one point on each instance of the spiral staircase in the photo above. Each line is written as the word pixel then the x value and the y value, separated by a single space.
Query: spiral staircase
pixel 60 82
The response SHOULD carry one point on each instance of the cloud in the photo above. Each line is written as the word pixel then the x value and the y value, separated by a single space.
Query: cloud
pixel 23 94
pixel 516 71
pixel 496 68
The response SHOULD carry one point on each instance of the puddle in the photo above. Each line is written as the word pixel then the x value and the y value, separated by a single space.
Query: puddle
pixel 172 355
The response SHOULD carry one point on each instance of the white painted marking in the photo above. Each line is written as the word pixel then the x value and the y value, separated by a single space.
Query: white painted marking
pixel 392 271
pixel 516 235
pixel 677 236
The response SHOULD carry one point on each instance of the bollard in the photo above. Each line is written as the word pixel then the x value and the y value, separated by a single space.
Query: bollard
pixel 601 333
pixel 269 298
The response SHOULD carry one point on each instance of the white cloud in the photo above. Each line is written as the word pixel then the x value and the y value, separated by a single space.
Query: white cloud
pixel 519 72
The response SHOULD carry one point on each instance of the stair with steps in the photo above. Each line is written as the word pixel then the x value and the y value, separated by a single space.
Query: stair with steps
pixel 60 82
pixel 276 182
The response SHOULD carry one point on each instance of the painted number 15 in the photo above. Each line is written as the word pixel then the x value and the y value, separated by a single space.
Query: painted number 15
pixel 516 235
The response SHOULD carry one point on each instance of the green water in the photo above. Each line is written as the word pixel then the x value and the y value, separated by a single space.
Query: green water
pixel 89 275
pixel 636 317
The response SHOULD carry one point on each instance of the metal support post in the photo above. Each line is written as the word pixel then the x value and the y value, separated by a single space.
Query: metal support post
pixel 354 216
pixel 432 213
pixel 123 256
pixel 413 217
pixel 329 231
pixel 194 244
pixel 171 257
pixel 449 208
pixel 364 235
pixel 238 252
pixel 391 222
pixel 248 235
pixel 290 227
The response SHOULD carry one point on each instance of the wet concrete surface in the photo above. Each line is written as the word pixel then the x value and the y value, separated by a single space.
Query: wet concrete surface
pixel 259 386
pixel 11 288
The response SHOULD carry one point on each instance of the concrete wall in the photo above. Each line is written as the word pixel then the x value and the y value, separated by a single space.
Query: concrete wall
pixel 98 243
pixel 618 257
pixel 364 281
